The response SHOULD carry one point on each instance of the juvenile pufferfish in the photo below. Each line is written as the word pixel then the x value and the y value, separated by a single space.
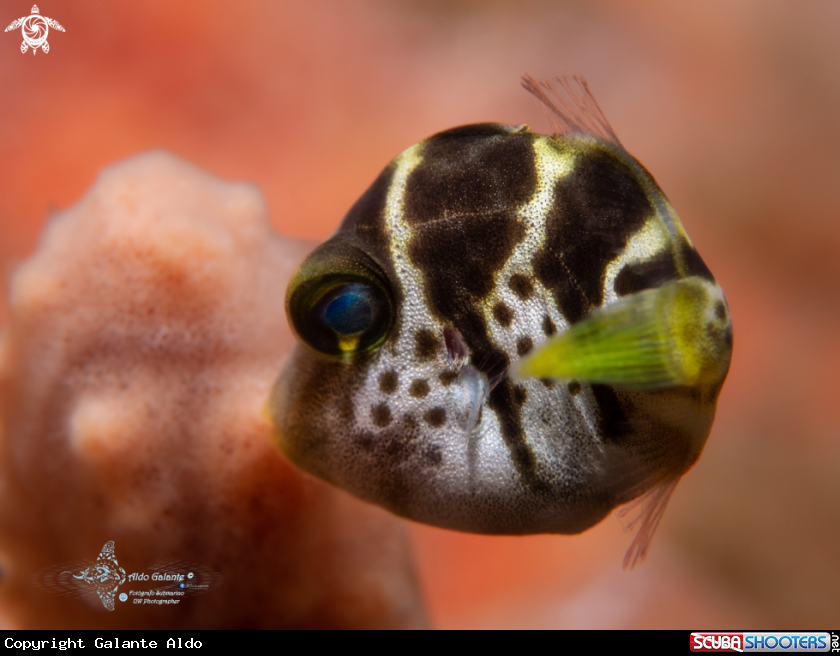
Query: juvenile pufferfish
pixel 509 333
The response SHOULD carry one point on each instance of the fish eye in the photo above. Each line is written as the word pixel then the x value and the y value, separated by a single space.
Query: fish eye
pixel 341 314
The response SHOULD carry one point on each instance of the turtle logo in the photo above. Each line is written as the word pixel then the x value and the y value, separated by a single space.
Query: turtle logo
pixel 35 29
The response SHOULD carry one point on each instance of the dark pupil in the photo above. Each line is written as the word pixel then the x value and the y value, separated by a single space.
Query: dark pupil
pixel 350 312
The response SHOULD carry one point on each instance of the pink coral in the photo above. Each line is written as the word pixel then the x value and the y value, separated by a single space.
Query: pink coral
pixel 142 342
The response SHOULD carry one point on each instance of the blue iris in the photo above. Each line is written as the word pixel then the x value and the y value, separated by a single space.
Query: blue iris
pixel 350 312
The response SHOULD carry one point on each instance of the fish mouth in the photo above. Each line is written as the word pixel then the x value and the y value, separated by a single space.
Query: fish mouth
pixel 474 382
pixel 475 388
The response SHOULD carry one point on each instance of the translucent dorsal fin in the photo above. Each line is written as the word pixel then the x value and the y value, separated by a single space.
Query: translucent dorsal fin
pixel 570 106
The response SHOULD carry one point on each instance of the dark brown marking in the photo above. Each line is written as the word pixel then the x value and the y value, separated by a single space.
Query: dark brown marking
pixel 520 395
pixel 447 377
pixel 367 217
pixel 502 402
pixel 388 381
pixel 395 443
pixel 464 199
pixel 524 346
pixel 720 310
pixel 397 449
pixel 503 314
pixel 436 417
pixel 548 326
pixel 613 422
pixel 477 171
pixel 462 202
pixel 432 455
pixel 596 210
pixel 409 426
pixel 574 388
pixel 695 264
pixel 547 382
pixel 425 344
pixel 459 259
pixel 419 388
pixel 650 274
pixel 727 337
pixel 521 286
pixel 381 415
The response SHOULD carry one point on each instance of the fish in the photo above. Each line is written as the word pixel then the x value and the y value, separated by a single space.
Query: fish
pixel 509 333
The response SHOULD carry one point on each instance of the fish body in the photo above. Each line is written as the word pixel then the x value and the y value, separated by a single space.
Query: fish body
pixel 509 333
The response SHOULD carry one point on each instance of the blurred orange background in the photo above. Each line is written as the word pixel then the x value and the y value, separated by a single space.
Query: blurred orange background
pixel 731 104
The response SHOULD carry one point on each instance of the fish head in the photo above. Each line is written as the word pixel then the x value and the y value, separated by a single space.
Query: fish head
pixel 471 250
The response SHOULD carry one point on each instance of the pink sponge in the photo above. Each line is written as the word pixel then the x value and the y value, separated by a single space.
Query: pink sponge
pixel 143 339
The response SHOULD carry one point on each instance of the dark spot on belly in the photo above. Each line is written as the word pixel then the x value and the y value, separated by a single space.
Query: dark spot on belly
pixel 524 345
pixel 720 310
pixel 521 286
pixel 613 422
pixel 409 426
pixel 432 455
pixel 394 444
pixel 447 377
pixel 436 417
pixel 547 382
pixel 388 381
pixel 548 326
pixel 727 337
pixel 503 314
pixel 574 388
pixel 425 344
pixel 419 388
pixel 381 415
pixel 398 450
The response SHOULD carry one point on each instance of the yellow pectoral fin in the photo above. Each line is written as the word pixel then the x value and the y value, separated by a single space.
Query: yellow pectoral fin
pixel 673 335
